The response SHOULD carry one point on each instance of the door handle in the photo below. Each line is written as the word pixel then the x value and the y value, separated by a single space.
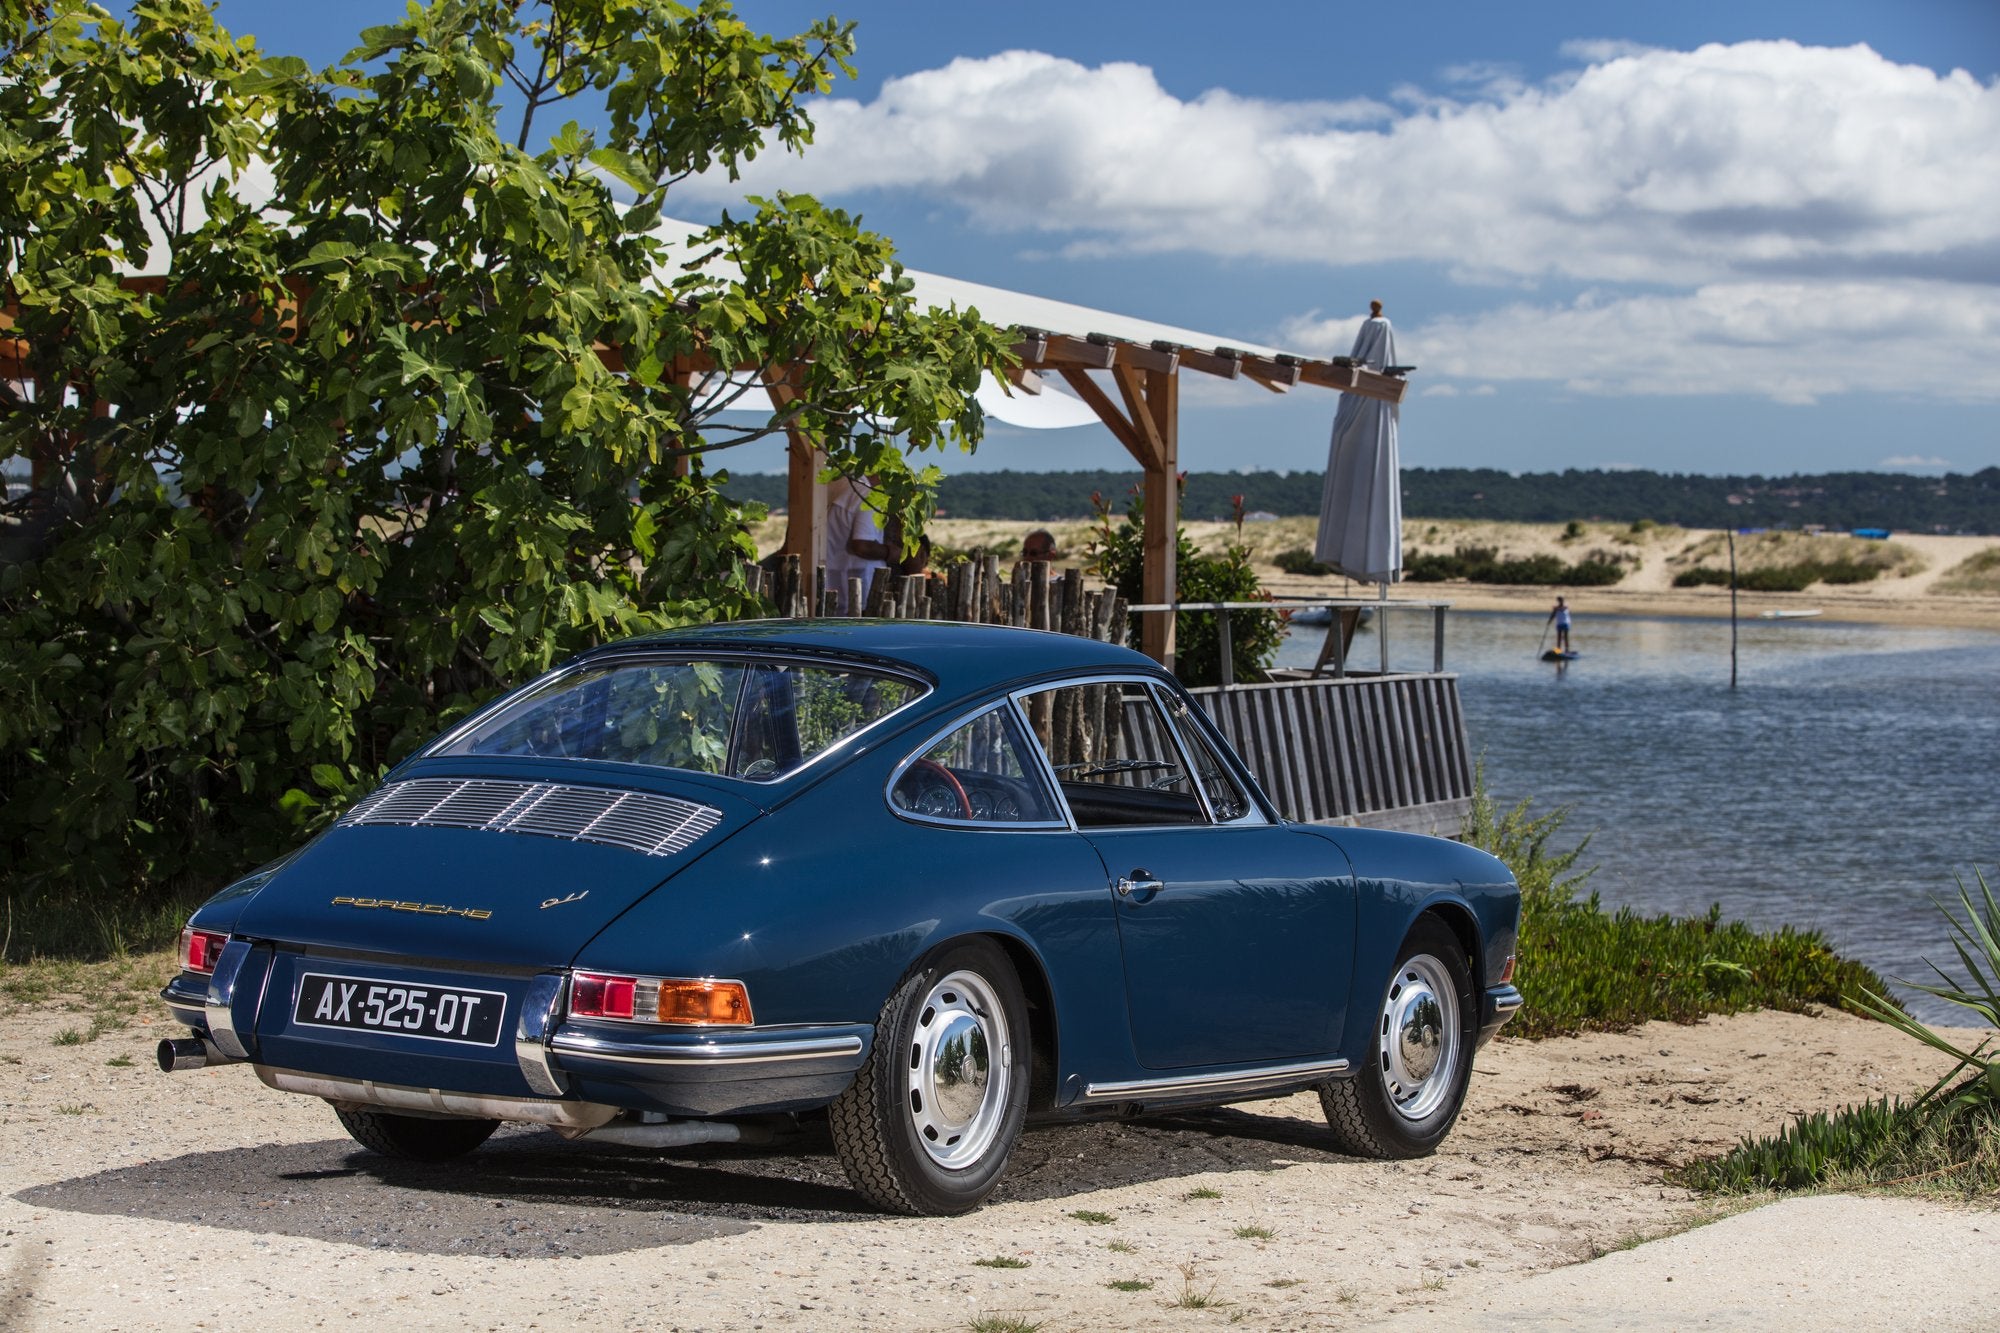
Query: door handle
pixel 1140 882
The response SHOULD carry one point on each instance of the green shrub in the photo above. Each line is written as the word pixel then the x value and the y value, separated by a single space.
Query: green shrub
pixel 1482 564
pixel 1584 967
pixel 1794 577
pixel 1118 556
pixel 1298 560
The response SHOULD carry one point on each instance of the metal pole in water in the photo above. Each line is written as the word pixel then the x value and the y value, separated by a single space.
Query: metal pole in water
pixel 1732 608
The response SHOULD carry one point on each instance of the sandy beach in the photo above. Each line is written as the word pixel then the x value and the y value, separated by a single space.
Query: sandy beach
pixel 1909 595
pixel 135 1199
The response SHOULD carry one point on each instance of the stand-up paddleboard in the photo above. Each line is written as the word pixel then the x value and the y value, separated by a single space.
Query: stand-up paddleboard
pixel 1553 656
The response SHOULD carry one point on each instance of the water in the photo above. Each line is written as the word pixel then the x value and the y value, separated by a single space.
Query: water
pixel 1851 777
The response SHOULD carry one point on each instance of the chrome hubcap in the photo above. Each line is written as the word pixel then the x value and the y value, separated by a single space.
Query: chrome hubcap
pixel 960 1069
pixel 1419 1036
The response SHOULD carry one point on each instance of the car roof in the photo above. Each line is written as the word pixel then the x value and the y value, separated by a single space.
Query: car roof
pixel 960 657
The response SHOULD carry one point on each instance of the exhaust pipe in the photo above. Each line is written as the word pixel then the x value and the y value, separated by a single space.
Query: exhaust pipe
pixel 177 1055
pixel 186 1053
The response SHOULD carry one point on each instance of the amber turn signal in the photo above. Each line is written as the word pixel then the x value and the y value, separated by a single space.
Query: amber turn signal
pixel 1507 970
pixel 704 1002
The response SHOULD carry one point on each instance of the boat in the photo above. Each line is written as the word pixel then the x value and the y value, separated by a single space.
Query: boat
pixel 1323 615
pixel 1789 613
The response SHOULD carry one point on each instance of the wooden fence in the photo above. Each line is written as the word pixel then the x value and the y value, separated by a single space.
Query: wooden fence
pixel 1031 595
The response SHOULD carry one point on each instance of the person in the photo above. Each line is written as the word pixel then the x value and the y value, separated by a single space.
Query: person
pixel 1039 545
pixel 1560 619
pixel 854 542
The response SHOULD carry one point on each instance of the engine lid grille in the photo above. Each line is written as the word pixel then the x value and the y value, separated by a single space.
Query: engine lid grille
pixel 634 820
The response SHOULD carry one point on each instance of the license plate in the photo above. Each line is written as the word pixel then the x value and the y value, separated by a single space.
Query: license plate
pixel 434 1013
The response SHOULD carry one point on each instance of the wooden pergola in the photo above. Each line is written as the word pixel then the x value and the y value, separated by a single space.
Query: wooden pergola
pixel 1132 383
pixel 1134 388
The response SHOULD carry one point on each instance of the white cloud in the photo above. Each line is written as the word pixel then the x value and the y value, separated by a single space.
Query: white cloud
pixel 1759 159
pixel 1794 342
pixel 1913 460
pixel 1438 391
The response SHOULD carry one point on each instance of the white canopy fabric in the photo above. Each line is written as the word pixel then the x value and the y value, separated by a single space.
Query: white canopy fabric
pixel 1361 507
pixel 1051 409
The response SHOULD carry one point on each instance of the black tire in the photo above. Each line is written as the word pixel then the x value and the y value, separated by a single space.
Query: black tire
pixel 935 1111
pixel 414 1138
pixel 1395 1105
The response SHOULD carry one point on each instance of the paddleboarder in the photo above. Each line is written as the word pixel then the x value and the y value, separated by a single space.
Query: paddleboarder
pixel 1560 619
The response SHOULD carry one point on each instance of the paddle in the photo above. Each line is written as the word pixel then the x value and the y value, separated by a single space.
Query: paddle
pixel 1544 641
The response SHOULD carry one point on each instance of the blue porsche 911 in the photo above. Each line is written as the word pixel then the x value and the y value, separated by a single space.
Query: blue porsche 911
pixel 926 878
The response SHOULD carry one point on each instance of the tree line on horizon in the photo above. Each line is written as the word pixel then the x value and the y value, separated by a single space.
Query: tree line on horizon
pixel 1953 502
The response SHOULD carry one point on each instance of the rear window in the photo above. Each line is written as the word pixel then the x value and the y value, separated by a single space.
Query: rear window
pixel 752 720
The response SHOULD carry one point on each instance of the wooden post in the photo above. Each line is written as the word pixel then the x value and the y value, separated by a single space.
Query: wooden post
pixel 805 495
pixel 1732 608
pixel 1163 512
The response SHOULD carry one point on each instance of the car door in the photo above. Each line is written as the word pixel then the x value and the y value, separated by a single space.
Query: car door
pixel 1236 933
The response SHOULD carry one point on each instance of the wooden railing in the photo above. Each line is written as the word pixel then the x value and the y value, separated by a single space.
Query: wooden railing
pixel 1379 751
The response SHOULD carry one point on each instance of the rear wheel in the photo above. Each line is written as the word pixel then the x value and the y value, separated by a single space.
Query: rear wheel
pixel 935 1111
pixel 414 1138
pixel 1406 1097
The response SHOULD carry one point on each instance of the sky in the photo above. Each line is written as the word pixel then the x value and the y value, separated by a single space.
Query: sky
pixel 1698 237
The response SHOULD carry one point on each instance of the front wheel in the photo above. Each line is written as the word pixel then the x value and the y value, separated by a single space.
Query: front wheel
pixel 414 1138
pixel 933 1114
pixel 1406 1097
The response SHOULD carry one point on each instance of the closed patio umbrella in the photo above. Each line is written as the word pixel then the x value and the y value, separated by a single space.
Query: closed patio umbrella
pixel 1361 507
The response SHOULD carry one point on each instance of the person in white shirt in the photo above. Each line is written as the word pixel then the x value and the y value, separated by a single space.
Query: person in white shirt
pixel 854 543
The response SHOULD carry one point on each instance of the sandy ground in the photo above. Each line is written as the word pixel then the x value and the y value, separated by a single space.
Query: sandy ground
pixel 134 1199
pixel 1909 597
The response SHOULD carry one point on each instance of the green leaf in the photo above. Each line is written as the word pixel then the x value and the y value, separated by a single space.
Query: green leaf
pixel 625 167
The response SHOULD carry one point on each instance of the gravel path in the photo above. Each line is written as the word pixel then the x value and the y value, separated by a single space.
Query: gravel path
pixel 134 1199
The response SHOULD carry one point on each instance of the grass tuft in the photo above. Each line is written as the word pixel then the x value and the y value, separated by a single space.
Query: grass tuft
pixel 1121 1247
pixel 1202 1192
pixel 1000 1261
pixel 1091 1217
pixel 1254 1233
pixel 1193 1297
pixel 1002 1323
pixel 1131 1284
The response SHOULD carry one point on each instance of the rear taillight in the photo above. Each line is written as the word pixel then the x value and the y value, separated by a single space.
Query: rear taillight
pixel 200 949
pixel 698 1001
pixel 1507 970
pixel 592 995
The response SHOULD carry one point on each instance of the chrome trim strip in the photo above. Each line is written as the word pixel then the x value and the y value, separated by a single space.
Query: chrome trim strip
pixel 710 1054
pixel 436 1101
pixel 540 1007
pixel 1505 1000
pixel 1226 1081
pixel 221 998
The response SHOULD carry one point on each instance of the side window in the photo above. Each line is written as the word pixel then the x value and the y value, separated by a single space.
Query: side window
pixel 1225 798
pixel 976 775
pixel 1113 753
